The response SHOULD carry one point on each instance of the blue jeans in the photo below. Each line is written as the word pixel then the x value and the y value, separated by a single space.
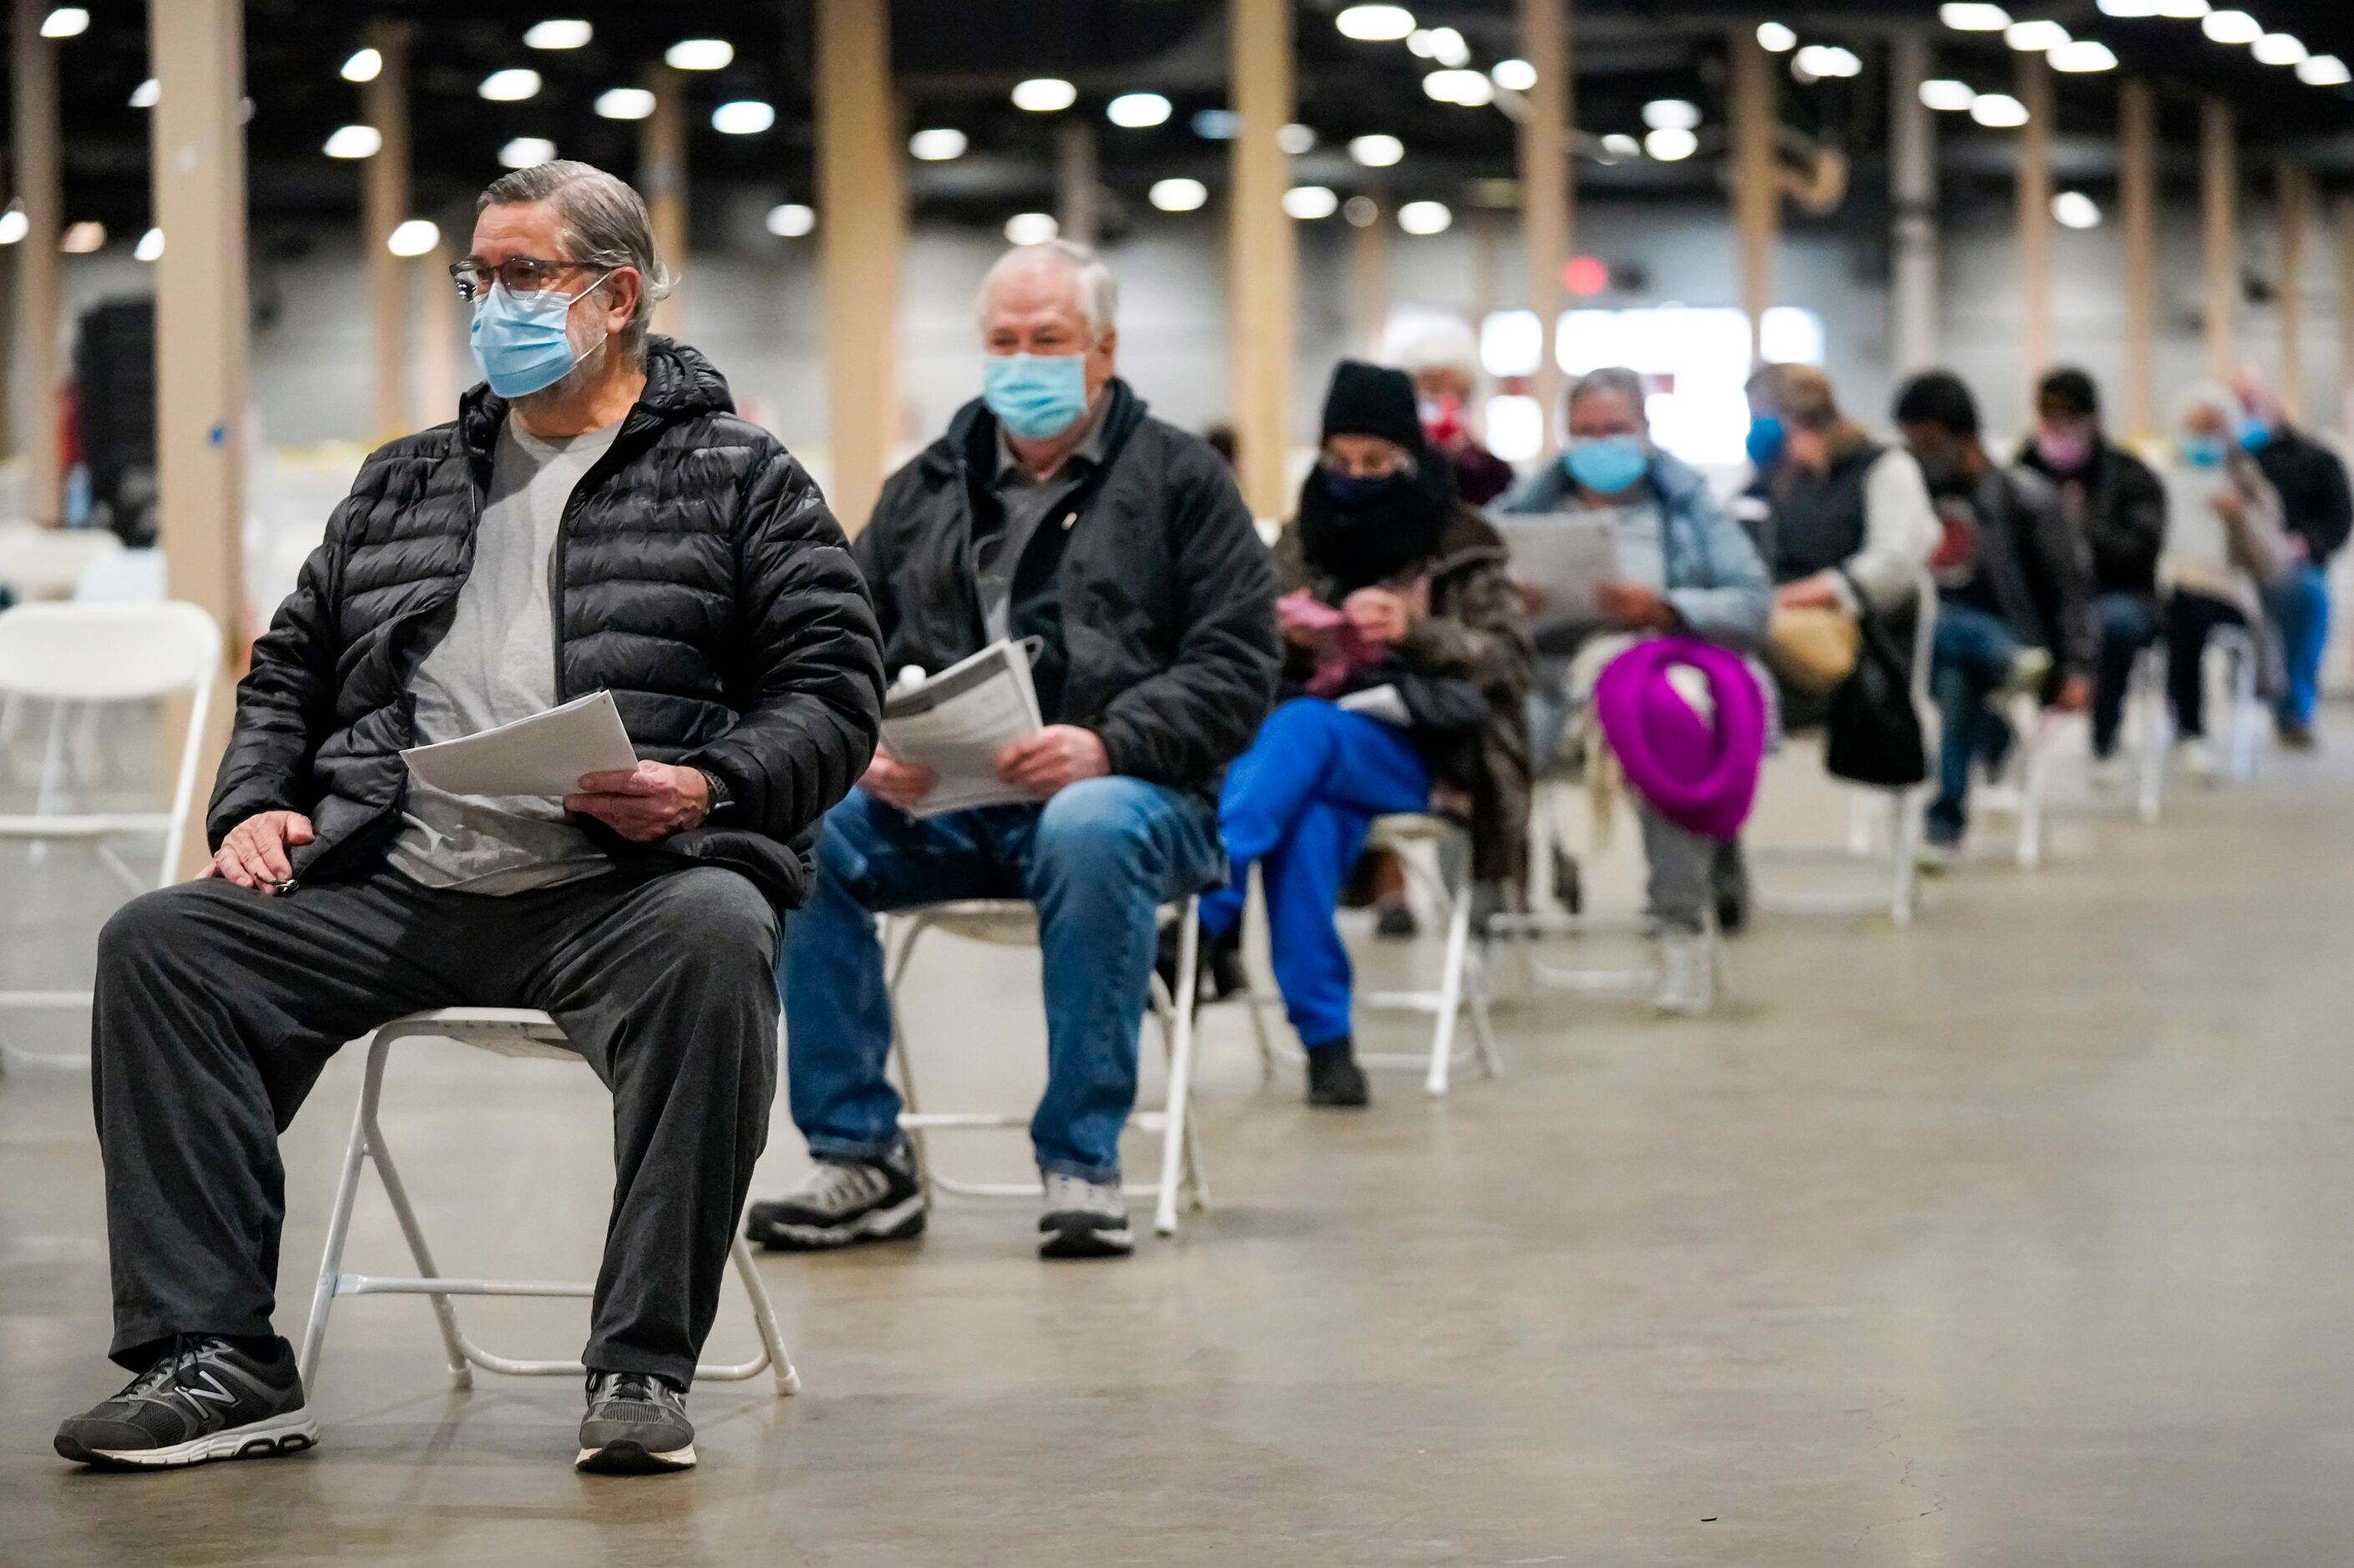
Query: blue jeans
pixel 2299 605
pixel 2128 623
pixel 1097 860
pixel 1297 804
pixel 1973 652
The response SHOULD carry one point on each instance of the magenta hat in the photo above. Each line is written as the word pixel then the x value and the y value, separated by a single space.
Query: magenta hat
pixel 1699 775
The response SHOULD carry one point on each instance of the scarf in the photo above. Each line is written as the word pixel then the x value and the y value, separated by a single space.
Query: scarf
pixel 1373 541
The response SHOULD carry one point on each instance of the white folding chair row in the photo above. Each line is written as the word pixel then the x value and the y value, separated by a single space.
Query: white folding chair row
pixel 505 1031
pixel 1013 923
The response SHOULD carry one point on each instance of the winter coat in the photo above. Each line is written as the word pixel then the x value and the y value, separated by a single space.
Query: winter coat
pixel 2315 503
pixel 1152 590
pixel 2123 515
pixel 698 577
pixel 1474 629
pixel 2037 567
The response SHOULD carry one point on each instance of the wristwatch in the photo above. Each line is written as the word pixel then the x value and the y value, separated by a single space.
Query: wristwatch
pixel 720 800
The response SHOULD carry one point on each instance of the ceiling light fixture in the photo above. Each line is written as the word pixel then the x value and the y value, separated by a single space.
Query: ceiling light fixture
pixel 1670 144
pixel 1471 89
pixel 2128 7
pixel 1137 111
pixel 2074 209
pixel 66 22
pixel 2323 70
pixel 147 94
pixel 1296 139
pixel 1374 24
pixel 1671 114
pixel 2184 10
pixel 150 247
pixel 743 117
pixel 789 220
pixel 1970 16
pixel 1217 124
pixel 1425 217
pixel 13 224
pixel 1618 144
pixel 1308 203
pixel 365 65
pixel 2078 56
pixel 700 54
pixel 557 33
pixel 82 238
pixel 2279 49
pixel 625 103
pixel 355 141
pixel 414 237
pixel 1030 229
pixel 1945 93
pixel 1377 151
pixel 1998 111
pixel 1513 75
pixel 937 145
pixel 1775 38
pixel 1177 195
pixel 2231 27
pixel 1044 94
pixel 527 151
pixel 1826 60
pixel 512 85
pixel 2034 37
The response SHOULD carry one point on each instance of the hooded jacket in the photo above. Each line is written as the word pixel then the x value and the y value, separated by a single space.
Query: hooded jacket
pixel 697 575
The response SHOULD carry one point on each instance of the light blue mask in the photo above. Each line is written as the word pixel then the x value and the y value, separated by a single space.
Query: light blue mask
pixel 520 340
pixel 1608 464
pixel 1764 439
pixel 2254 435
pixel 1035 396
pixel 2202 451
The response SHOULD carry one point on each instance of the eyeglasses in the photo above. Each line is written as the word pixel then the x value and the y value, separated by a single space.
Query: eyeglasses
pixel 521 274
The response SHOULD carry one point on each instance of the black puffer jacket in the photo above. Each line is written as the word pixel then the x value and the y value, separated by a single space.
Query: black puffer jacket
pixel 1161 599
pixel 698 577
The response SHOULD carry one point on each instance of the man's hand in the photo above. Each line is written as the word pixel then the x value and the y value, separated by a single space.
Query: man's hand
pixel 649 801
pixel 254 853
pixel 1379 614
pixel 1633 605
pixel 2075 693
pixel 1057 756
pixel 897 783
pixel 1807 593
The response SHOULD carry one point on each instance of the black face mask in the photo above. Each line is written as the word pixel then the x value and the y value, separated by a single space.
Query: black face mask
pixel 1943 469
pixel 1361 531
pixel 1353 492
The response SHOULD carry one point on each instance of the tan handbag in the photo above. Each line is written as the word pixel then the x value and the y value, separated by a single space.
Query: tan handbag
pixel 1813 649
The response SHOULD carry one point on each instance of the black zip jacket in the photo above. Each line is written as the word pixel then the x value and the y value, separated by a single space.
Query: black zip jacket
pixel 697 575
pixel 2315 503
pixel 2035 562
pixel 1150 586
pixel 2125 516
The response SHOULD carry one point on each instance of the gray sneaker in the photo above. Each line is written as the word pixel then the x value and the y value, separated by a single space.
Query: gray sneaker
pixel 203 1399
pixel 1686 974
pixel 1084 1219
pixel 636 1425
pixel 842 1202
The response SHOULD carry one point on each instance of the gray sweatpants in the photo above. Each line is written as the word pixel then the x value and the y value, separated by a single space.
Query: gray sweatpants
pixel 217 1008
pixel 1689 871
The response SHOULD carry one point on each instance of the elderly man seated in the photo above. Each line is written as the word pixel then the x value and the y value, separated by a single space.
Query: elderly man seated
pixel 596 518
pixel 1053 510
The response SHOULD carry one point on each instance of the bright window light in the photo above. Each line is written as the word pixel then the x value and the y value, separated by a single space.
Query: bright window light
pixel 1177 195
pixel 2079 56
pixel 13 224
pixel 1515 424
pixel 1511 343
pixel 2074 209
pixel 1425 217
pixel 1308 203
pixel 2034 37
pixel 1618 144
pixel 1826 60
pixel 1376 152
pixel 1513 76
pixel 1670 145
pixel 1968 17
pixel 414 237
pixel 2323 71
pixel 83 238
pixel 1704 355
pixel 743 117
pixel 791 220
pixel 65 22
pixel 1217 124
pixel 1998 109
pixel 1135 110
pixel 1374 24
pixel 355 141
pixel 1030 229
pixel 2231 27
pixel 1671 114
pixel 1945 93
pixel 937 145
pixel 2129 8
pixel 365 65
pixel 512 85
pixel 1471 89
pixel 557 33
pixel 527 151
pixel 700 54
pixel 1044 94
pixel 1295 139
pixel 1789 336
pixel 150 247
pixel 1775 38
pixel 2279 49
pixel 625 103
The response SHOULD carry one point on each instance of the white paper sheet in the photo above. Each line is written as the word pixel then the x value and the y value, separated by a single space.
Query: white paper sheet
pixel 1564 558
pixel 958 722
pixel 543 755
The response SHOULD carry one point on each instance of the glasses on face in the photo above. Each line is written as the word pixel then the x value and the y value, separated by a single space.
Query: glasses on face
pixel 521 274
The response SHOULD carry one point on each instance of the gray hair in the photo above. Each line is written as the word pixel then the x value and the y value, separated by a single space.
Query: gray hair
pixel 2212 396
pixel 1613 379
pixel 1098 289
pixel 604 225
pixel 1444 345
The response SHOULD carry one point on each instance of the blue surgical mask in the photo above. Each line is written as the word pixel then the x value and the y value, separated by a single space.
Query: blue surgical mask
pixel 2202 451
pixel 1765 439
pixel 2254 435
pixel 521 342
pixel 1035 396
pixel 1608 464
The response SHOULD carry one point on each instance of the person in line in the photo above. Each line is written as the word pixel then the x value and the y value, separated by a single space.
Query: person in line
pixel 1405 673
pixel 2224 537
pixel 1054 511
pixel 2317 509
pixel 1687 569
pixel 1444 363
pixel 2112 499
pixel 2014 594
pixel 596 518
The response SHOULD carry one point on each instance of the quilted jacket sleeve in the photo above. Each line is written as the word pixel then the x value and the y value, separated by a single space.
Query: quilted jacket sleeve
pixel 814 662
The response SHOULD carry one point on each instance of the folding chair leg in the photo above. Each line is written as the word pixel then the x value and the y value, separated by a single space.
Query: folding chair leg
pixel 1483 1028
pixel 900 1054
pixel 764 1319
pixel 1451 988
pixel 331 1264
pixel 446 1316
pixel 1175 1128
pixel 1903 828
pixel 2032 791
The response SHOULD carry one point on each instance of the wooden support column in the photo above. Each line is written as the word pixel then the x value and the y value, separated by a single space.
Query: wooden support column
pixel 439 386
pixel 1262 252
pixel 1913 192
pixel 34 74
pixel 662 180
pixel 2293 199
pixel 862 229
pixel 2137 217
pixel 196 51
pixel 2218 195
pixel 1756 185
pixel 1547 213
pixel 1369 286
pixel 2034 191
pixel 1076 180
pixel 384 105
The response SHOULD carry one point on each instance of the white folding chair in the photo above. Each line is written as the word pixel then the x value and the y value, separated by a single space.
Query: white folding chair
pixel 1463 974
pixel 2024 793
pixel 507 1031
pixel 1013 923
pixel 102 653
pixel 2236 646
pixel 134 577
pixel 38 563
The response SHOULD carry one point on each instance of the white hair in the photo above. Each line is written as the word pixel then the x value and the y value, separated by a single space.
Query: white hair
pixel 1441 345
pixel 2210 395
pixel 1098 289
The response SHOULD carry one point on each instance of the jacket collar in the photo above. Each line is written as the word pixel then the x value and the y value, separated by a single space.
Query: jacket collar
pixel 680 384
pixel 969 443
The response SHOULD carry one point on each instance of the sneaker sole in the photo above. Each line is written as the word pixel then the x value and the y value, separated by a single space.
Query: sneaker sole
pixel 1080 1240
pixel 629 1458
pixel 903 1221
pixel 271 1439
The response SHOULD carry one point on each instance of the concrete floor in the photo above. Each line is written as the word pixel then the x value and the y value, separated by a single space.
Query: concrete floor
pixel 2019 1238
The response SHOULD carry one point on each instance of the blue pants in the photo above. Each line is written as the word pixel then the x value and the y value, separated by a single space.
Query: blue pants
pixel 2128 623
pixel 1297 804
pixel 1973 652
pixel 2299 605
pixel 1097 860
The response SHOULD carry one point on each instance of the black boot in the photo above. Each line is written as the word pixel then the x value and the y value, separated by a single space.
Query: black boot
pixel 1334 1077
pixel 1220 960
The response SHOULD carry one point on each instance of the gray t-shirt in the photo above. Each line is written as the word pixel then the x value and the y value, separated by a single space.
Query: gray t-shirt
pixel 496 666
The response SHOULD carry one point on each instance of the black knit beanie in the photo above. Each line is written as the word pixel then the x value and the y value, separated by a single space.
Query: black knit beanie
pixel 1371 400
